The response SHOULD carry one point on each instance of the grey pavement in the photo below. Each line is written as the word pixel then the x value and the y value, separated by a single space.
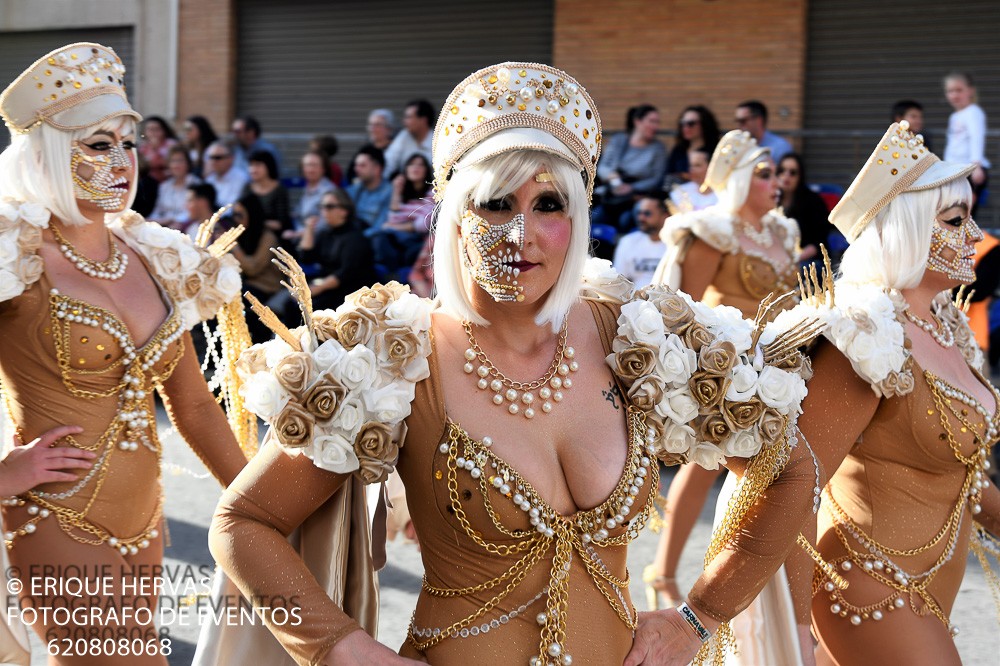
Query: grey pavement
pixel 190 501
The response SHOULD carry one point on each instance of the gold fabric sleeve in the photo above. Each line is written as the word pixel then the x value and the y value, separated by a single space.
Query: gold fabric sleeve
pixel 835 413
pixel 272 496
pixel 199 419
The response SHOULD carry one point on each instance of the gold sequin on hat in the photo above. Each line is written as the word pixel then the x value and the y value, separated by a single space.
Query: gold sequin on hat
pixel 517 95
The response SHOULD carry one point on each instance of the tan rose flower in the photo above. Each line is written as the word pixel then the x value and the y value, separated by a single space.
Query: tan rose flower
pixel 645 393
pixel 636 361
pixel 863 321
pixel 713 429
pixel 742 415
pixel 324 397
pixel 376 450
pixel 190 286
pixel 209 266
pixel 397 347
pixel 708 390
pixel 375 298
pixel 294 371
pixel 717 358
pixel 294 426
pixel 896 383
pixel 29 238
pixel 325 327
pixel 251 361
pixel 355 327
pixel 772 426
pixel 209 301
pixel 30 268
pixel 697 336
pixel 677 314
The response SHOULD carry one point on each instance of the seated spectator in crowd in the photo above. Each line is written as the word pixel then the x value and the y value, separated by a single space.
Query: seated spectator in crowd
pixel 253 250
pixel 752 117
pixel 337 244
pixel 172 193
pixel 200 206
pixel 398 242
pixel 370 192
pixel 697 129
pixel 688 196
pixel 632 165
pixel 638 253
pixel 198 136
pixel 154 144
pixel 416 137
pixel 312 167
pixel 268 190
pixel 223 174
pixel 803 205
pixel 381 130
pixel 328 145
pixel 246 132
pixel 913 113
pixel 146 188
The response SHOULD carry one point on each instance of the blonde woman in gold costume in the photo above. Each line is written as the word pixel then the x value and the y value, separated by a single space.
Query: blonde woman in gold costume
pixel 94 312
pixel 733 253
pixel 523 509
pixel 899 413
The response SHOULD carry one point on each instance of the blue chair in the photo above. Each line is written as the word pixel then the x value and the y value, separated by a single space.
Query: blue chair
pixel 604 233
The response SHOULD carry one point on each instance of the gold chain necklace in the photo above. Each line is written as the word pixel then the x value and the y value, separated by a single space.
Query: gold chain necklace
pixel 520 396
pixel 939 330
pixel 113 268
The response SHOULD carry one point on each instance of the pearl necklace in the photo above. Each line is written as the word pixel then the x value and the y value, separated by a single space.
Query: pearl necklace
pixel 550 386
pixel 939 330
pixel 762 238
pixel 111 269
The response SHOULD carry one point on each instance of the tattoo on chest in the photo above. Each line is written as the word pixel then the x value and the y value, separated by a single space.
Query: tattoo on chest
pixel 613 394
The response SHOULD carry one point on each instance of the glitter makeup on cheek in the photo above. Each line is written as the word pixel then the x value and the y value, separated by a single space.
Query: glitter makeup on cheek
pixel 491 266
pixel 102 187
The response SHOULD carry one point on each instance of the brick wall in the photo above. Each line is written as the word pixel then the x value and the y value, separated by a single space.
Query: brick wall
pixel 673 53
pixel 206 69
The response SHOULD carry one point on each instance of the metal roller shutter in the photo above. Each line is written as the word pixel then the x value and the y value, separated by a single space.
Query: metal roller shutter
pixel 315 66
pixel 864 56
pixel 19 49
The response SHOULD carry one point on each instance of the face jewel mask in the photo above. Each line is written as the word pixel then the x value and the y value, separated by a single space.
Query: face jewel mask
pixel 101 188
pixel 488 251
pixel 949 248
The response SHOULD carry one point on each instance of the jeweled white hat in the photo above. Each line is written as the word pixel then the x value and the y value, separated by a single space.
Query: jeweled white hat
pixel 900 163
pixel 735 149
pixel 73 87
pixel 516 106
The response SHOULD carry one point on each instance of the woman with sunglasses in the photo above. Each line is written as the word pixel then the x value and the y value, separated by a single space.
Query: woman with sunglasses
pixel 734 253
pixel 803 205
pixel 337 243
pixel 697 129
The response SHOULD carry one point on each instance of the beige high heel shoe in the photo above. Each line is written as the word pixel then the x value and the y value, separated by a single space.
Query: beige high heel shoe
pixel 661 591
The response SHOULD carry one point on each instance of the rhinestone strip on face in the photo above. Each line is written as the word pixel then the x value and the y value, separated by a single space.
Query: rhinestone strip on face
pixel 101 188
pixel 490 265
pixel 956 240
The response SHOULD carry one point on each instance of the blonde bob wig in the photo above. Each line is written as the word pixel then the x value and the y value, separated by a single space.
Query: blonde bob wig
pixel 494 178
pixel 892 250
pixel 36 167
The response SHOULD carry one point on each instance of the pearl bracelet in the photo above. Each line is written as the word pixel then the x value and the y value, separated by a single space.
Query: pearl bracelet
pixel 689 616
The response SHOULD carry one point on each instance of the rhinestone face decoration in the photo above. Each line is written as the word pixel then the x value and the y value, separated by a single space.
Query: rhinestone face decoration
pixel 488 252
pixel 102 187
pixel 949 248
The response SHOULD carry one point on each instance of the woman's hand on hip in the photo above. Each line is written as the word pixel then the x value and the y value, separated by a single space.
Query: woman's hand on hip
pixel 663 638
pixel 37 462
